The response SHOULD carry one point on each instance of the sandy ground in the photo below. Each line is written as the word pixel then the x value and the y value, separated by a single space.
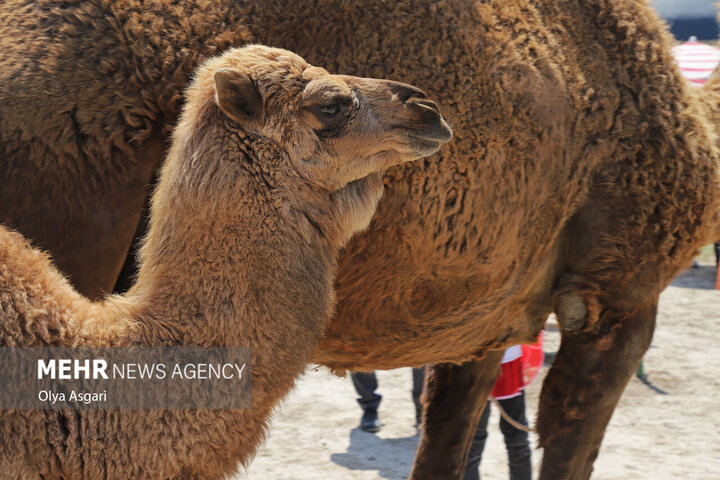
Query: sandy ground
pixel 666 426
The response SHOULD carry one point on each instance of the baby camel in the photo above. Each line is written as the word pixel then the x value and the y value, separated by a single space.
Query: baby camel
pixel 274 165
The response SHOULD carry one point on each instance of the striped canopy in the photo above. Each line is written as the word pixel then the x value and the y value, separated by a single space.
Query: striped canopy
pixel 697 61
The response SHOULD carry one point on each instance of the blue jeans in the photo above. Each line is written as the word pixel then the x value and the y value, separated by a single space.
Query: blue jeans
pixel 366 385
pixel 516 441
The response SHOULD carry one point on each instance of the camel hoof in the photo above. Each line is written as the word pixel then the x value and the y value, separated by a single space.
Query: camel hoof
pixel 571 311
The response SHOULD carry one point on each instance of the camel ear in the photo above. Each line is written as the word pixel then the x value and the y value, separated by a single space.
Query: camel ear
pixel 237 97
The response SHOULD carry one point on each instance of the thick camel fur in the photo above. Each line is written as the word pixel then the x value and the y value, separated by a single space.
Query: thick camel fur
pixel 274 165
pixel 582 178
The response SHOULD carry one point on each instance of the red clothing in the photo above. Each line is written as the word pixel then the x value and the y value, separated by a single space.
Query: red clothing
pixel 517 373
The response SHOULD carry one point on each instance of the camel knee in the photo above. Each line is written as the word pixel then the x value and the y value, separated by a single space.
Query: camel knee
pixel 571 311
pixel 575 303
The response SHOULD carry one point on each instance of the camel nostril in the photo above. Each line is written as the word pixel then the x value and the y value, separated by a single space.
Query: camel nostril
pixel 428 104
pixel 405 92
pixel 411 96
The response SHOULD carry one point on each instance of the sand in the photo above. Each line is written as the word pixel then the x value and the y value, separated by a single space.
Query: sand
pixel 667 426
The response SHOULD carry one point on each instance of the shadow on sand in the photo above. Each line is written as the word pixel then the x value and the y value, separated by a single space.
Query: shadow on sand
pixel 391 457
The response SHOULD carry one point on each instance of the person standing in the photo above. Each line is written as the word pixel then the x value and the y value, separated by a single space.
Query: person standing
pixel 520 364
pixel 366 386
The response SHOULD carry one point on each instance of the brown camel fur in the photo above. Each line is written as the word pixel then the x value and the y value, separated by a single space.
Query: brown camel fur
pixel 274 165
pixel 582 178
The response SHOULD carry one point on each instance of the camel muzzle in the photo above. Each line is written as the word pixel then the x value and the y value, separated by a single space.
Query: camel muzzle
pixel 431 124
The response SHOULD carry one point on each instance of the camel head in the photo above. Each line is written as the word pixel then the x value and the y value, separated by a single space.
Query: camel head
pixel 316 143
pixel 335 128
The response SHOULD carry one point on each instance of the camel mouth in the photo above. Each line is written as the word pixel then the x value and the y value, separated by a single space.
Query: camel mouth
pixel 436 129
pixel 424 146
pixel 429 141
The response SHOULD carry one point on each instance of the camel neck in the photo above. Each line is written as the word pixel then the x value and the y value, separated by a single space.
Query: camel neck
pixel 227 285
pixel 223 258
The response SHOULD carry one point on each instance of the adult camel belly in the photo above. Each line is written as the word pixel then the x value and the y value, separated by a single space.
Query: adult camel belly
pixel 402 303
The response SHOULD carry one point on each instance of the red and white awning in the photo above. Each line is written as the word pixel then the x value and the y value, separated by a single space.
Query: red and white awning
pixel 697 61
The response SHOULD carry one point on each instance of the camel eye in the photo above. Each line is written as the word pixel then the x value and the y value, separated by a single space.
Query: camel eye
pixel 332 114
pixel 331 111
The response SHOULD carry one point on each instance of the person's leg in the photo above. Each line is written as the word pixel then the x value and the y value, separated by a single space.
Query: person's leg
pixel 516 441
pixel 472 469
pixel 418 380
pixel 365 385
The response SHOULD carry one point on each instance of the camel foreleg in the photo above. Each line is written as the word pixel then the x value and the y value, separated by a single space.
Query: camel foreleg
pixel 584 385
pixel 454 398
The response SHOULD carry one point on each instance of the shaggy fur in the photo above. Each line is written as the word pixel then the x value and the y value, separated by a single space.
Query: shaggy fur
pixel 582 169
pixel 250 212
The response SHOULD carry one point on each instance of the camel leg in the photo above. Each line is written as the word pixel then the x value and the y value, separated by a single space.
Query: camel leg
pixel 454 398
pixel 86 223
pixel 584 385
pixel 126 277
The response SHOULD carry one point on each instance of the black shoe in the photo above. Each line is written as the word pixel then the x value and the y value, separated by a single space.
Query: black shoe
pixel 369 421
